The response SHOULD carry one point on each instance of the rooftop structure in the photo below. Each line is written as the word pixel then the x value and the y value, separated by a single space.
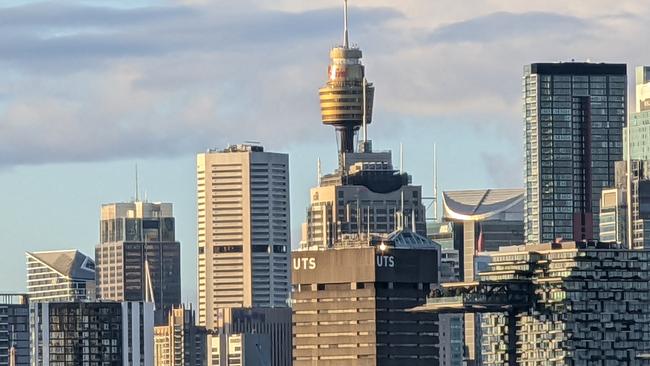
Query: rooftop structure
pixel 346 99
pixel 62 275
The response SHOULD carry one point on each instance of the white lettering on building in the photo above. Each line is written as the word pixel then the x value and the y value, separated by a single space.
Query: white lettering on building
pixel 385 261
pixel 304 263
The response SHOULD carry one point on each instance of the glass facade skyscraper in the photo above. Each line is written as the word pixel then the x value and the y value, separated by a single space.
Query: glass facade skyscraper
pixel 138 257
pixel 574 116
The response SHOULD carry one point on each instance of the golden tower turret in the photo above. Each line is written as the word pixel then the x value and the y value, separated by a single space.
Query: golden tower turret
pixel 346 99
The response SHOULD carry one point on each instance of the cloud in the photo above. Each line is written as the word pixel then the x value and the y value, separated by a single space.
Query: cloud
pixel 502 25
pixel 87 83
pixel 98 82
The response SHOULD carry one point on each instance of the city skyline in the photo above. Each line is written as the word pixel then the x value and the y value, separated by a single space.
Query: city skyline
pixel 25 162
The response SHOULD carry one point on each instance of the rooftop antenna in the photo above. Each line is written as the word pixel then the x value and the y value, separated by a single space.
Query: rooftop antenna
pixel 413 220
pixel 319 171
pixel 137 195
pixel 401 212
pixel 435 184
pixel 401 158
pixel 365 115
pixel 346 41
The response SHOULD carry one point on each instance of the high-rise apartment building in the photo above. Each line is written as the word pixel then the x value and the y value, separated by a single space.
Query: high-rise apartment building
pixel 180 342
pixel 243 230
pixel 614 212
pixel 574 118
pixel 14 330
pixel 242 349
pixel 63 275
pixel 450 326
pixel 588 306
pixel 640 120
pixel 138 257
pixel 92 333
pixel 264 335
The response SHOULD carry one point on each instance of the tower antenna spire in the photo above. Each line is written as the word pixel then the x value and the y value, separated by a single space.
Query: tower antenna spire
pixel 137 189
pixel 346 40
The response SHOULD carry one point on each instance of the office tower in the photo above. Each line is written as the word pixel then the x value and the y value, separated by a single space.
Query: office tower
pixel 450 329
pixel 450 326
pixel 613 216
pixel 482 221
pixel 243 230
pixel 614 213
pixel 14 330
pixel 640 120
pixel 266 330
pixel 365 193
pixel 63 275
pixel 350 302
pixel 138 257
pixel 91 333
pixel 574 117
pixel 238 349
pixel 449 265
pixel 591 305
pixel 180 342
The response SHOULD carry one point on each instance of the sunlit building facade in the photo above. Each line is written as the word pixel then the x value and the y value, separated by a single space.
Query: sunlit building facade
pixel 243 230
pixel 63 275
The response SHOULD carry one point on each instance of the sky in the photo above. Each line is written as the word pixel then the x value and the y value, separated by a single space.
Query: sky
pixel 89 89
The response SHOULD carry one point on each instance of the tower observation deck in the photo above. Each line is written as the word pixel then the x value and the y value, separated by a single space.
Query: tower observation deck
pixel 346 99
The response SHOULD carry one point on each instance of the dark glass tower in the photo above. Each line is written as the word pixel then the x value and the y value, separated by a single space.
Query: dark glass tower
pixel 574 115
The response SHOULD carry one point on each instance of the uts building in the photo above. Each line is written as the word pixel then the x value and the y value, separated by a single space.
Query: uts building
pixel 350 304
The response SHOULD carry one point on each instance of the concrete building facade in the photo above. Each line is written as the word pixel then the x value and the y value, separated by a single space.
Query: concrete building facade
pixel 350 303
pixel 614 212
pixel 243 230
pixel 64 275
pixel 574 114
pixel 639 129
pixel 138 257
pixel 180 342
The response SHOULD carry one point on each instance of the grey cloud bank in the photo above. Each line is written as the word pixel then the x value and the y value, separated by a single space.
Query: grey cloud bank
pixel 90 83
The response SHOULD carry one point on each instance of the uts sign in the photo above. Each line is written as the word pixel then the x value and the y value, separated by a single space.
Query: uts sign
pixel 364 264
pixel 385 261
pixel 309 263
pixel 304 263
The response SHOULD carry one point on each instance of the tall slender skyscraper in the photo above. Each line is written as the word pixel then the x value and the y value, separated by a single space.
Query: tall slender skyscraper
pixel 243 230
pixel 365 194
pixel 138 257
pixel 574 118
pixel 640 120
